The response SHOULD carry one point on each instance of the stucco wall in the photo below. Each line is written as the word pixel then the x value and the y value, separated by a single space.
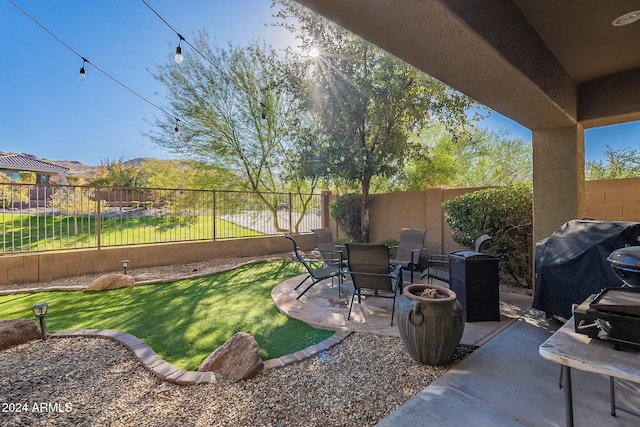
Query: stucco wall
pixel 47 266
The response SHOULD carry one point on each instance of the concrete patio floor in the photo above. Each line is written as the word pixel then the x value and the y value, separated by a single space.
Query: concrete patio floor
pixel 505 382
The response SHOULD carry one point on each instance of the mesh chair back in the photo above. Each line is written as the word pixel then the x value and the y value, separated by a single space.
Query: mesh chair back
pixel 410 239
pixel 372 260
pixel 324 243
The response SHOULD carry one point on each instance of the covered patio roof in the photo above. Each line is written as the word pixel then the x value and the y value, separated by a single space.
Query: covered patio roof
pixel 543 63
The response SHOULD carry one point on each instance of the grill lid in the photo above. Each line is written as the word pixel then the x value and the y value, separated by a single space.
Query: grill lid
pixel 628 257
pixel 625 263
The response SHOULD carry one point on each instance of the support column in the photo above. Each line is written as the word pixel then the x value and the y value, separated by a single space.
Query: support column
pixel 558 178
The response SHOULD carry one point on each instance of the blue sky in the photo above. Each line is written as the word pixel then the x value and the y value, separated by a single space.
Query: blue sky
pixel 48 112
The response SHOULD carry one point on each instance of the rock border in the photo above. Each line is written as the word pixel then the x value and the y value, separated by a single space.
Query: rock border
pixel 168 372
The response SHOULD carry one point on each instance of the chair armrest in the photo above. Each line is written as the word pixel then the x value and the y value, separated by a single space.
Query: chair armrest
pixel 394 270
pixel 437 262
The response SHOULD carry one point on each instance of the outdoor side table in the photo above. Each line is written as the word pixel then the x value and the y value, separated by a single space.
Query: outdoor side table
pixel 573 350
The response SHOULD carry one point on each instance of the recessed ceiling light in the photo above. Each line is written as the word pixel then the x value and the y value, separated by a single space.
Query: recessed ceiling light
pixel 626 19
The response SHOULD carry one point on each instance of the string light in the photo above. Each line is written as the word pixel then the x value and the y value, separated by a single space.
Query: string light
pixel 82 74
pixel 86 61
pixel 179 58
pixel 176 131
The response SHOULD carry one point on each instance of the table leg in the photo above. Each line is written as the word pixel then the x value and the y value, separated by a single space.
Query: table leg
pixel 613 396
pixel 568 395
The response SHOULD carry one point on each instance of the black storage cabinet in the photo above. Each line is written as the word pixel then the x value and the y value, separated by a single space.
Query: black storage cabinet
pixel 474 278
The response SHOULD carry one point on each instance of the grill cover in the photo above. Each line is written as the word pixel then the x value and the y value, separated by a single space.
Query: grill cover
pixel 572 263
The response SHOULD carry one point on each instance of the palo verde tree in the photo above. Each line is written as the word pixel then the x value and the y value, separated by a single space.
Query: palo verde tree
pixel 236 115
pixel 620 163
pixel 478 158
pixel 367 102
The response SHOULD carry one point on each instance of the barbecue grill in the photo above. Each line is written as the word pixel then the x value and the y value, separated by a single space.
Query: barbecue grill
pixel 614 314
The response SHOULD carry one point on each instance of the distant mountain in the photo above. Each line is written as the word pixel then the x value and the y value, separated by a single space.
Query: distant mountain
pixel 84 171
pixel 76 168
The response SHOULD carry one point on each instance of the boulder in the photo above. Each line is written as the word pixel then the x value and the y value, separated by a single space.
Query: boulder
pixel 111 281
pixel 235 360
pixel 18 331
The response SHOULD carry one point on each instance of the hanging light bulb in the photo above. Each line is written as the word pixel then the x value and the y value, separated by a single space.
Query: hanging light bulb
pixel 342 158
pixel 82 75
pixel 176 131
pixel 179 58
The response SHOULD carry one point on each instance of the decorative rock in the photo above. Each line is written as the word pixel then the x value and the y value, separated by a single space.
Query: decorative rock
pixel 111 281
pixel 235 360
pixel 18 331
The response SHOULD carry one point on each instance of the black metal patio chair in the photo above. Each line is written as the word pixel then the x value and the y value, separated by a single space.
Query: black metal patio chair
pixel 370 270
pixel 315 274
pixel 412 243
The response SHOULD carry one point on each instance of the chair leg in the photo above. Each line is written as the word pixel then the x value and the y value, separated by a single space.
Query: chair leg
pixel 303 280
pixel 393 308
pixel 308 287
pixel 351 305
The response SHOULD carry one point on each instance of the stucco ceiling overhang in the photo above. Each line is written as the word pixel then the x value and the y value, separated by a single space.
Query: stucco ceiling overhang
pixel 543 63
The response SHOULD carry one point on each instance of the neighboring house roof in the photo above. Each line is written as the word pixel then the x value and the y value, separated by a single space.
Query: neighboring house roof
pixel 24 162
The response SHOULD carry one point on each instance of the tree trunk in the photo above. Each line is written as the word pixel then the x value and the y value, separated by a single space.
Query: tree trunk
pixel 364 218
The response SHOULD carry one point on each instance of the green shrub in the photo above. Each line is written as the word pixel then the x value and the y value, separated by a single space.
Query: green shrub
pixel 347 211
pixel 392 244
pixel 504 213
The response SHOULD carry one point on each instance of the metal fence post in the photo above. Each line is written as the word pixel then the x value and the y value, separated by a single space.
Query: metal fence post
pixel 290 212
pixel 213 213
pixel 98 216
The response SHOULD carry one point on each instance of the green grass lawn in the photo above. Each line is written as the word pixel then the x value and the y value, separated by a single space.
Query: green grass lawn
pixel 183 321
pixel 34 233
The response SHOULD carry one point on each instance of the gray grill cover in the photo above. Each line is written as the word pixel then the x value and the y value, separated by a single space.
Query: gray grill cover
pixel 572 263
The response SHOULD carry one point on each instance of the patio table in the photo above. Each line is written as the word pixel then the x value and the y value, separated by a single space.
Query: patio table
pixel 573 350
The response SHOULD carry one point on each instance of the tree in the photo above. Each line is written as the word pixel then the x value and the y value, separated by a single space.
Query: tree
pixel 477 159
pixel 75 202
pixel 621 163
pixel 367 103
pixel 119 174
pixel 238 115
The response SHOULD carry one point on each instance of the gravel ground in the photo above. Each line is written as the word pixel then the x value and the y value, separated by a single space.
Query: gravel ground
pixel 97 382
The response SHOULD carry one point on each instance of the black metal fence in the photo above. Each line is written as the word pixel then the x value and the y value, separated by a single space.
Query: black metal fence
pixel 45 217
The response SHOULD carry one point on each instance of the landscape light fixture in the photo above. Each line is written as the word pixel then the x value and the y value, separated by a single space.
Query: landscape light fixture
pixel 179 58
pixel 40 310
pixel 82 75
pixel 125 264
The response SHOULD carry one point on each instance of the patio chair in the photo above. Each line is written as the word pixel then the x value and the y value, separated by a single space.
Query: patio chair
pixel 369 269
pixel 438 264
pixel 315 274
pixel 332 254
pixel 412 243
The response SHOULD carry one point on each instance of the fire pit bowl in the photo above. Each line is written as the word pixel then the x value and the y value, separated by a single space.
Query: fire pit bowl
pixel 626 264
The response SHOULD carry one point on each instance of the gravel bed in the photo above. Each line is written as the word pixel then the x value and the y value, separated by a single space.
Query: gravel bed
pixel 97 382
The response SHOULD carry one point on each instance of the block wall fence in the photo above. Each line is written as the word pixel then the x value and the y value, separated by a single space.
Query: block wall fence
pixel 607 200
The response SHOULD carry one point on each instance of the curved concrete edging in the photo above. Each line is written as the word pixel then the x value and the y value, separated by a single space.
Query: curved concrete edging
pixel 168 372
